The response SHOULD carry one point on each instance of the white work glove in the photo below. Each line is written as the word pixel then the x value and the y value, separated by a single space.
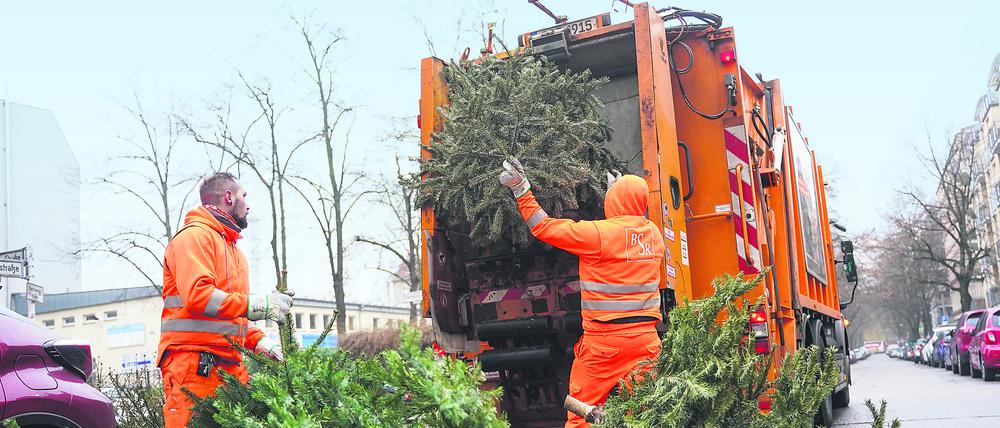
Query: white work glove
pixel 613 177
pixel 513 177
pixel 272 306
pixel 269 348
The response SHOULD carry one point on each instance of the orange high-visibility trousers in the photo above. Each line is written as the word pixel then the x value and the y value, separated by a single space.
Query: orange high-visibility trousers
pixel 179 369
pixel 602 361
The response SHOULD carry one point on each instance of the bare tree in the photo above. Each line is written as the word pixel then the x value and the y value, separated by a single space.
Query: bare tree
pixel 399 195
pixel 945 227
pixel 337 192
pixel 268 162
pixel 905 286
pixel 148 176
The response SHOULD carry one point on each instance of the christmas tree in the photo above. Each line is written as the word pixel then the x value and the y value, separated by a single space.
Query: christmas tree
pixel 315 387
pixel 520 107
pixel 709 375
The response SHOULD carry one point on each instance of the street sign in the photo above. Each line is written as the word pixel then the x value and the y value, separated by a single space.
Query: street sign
pixel 412 296
pixel 14 264
pixel 35 293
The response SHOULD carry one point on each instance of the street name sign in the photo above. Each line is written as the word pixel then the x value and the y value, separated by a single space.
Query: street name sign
pixel 14 264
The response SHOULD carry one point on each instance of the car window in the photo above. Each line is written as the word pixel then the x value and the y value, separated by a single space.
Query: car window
pixel 973 319
pixel 995 319
pixel 980 325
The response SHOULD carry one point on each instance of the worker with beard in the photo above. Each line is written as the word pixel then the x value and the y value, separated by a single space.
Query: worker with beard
pixel 621 258
pixel 207 300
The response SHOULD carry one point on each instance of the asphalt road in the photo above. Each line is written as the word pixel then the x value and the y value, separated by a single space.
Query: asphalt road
pixel 920 396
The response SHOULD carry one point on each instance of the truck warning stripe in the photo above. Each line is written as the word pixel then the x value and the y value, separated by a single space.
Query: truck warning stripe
pixel 738 153
pixel 515 293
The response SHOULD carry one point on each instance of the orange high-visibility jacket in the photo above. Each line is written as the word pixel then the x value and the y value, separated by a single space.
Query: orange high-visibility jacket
pixel 621 257
pixel 205 290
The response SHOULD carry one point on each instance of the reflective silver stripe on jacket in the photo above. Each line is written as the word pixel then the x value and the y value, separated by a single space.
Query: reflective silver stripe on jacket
pixel 536 218
pixel 173 302
pixel 600 287
pixel 200 326
pixel 214 302
pixel 620 305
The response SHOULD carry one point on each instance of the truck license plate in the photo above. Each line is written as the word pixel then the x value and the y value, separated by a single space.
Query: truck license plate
pixel 583 25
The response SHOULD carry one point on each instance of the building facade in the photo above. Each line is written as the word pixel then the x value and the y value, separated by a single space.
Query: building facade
pixel 984 135
pixel 123 325
pixel 39 199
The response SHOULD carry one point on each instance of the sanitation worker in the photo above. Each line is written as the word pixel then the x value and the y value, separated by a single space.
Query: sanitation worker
pixel 621 258
pixel 206 297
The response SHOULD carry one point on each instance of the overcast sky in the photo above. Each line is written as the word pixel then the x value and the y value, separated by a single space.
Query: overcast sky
pixel 869 82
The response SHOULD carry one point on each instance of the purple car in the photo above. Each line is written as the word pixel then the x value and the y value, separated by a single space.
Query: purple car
pixel 960 341
pixel 43 378
pixel 984 350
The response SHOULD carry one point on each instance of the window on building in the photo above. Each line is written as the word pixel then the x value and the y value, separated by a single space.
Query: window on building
pixel 110 315
pixel 68 321
pixel 298 320
pixel 312 321
pixel 89 318
pixel 326 320
pixel 350 323
pixel 374 322
pixel 49 323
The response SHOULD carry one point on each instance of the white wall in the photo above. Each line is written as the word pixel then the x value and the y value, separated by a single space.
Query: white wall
pixel 40 196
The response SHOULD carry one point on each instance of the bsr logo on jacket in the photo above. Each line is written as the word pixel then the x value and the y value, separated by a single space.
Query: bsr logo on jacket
pixel 639 244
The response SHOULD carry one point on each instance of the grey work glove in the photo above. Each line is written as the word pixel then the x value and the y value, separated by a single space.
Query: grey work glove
pixel 613 177
pixel 272 306
pixel 513 177
pixel 269 348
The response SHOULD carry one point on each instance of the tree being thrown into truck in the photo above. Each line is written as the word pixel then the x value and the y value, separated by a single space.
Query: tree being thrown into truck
pixel 523 107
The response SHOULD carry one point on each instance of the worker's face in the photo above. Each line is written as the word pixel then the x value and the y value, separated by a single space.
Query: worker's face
pixel 236 205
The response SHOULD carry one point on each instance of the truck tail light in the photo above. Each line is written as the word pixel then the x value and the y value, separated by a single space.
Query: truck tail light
pixel 728 56
pixel 71 354
pixel 420 125
pixel 438 350
pixel 758 330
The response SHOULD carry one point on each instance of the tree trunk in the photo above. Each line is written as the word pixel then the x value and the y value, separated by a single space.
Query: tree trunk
pixel 965 296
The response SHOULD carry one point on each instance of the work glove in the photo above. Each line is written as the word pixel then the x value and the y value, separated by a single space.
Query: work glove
pixel 269 348
pixel 272 306
pixel 613 177
pixel 513 177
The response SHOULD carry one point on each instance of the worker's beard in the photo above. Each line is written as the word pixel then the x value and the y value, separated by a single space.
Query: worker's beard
pixel 240 221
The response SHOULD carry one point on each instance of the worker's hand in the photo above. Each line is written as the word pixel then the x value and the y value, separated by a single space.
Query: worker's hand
pixel 613 177
pixel 270 349
pixel 513 177
pixel 272 306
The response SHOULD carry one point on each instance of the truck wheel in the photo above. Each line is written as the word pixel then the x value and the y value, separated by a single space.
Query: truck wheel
pixel 824 417
pixel 843 398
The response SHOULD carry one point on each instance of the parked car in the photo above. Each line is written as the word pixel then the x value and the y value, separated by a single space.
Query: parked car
pixel 984 350
pixel 918 349
pixel 43 378
pixel 941 354
pixel 960 341
pixel 892 350
pixel 927 355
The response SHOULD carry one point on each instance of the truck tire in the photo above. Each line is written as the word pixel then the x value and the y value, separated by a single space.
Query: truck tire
pixel 824 415
pixel 843 398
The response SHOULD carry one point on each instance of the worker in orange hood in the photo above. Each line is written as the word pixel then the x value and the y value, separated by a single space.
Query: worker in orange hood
pixel 206 297
pixel 621 258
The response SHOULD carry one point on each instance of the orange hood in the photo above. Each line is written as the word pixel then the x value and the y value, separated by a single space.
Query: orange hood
pixel 626 197
pixel 201 215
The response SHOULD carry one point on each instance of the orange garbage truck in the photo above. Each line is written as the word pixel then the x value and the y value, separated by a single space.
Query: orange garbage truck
pixel 733 185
